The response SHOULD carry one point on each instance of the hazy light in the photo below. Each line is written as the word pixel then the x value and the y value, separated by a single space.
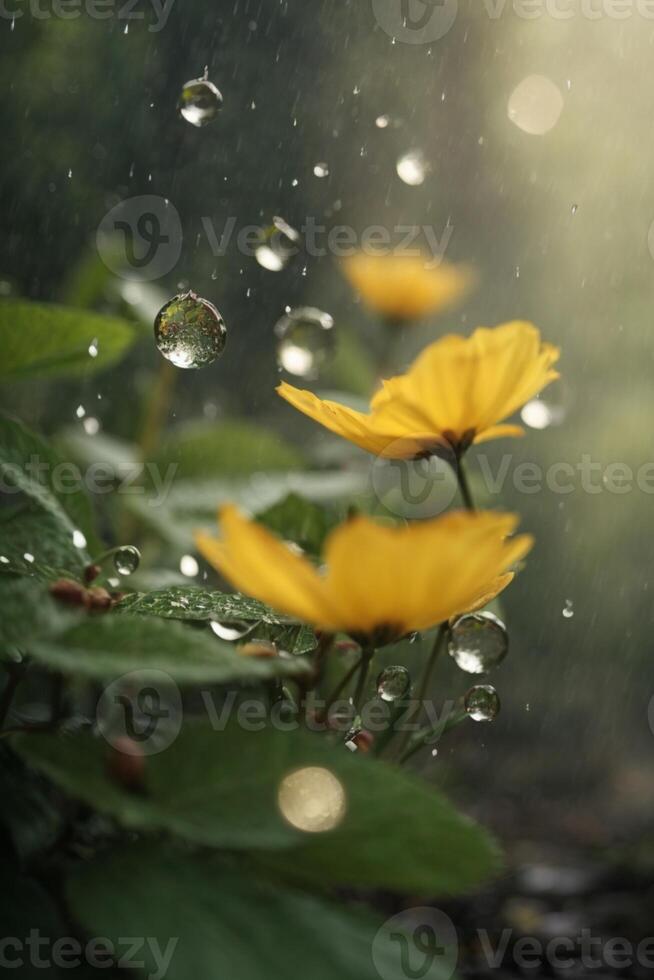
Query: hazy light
pixel 535 105
pixel 312 799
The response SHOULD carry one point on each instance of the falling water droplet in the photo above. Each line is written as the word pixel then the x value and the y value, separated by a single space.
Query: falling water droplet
pixel 381 122
pixel 199 102
pixel 94 347
pixel 321 170
pixel 280 243
pixel 478 642
pixel 305 341
pixel 482 703
pixel 568 610
pixel 188 566
pixel 574 208
pixel 189 331
pixel 79 540
pixel 412 168
pixel 393 683
pixel 127 559
pixel 231 630
pixel 91 425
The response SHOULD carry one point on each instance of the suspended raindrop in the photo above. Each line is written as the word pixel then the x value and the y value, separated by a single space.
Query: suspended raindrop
pixel 199 102
pixel 280 243
pixel 189 331
pixel 393 683
pixel 482 703
pixel 478 642
pixel 568 609
pixel 230 630
pixel 126 559
pixel 381 122
pixel 321 170
pixel 188 566
pixel 79 539
pixel 412 168
pixel 305 341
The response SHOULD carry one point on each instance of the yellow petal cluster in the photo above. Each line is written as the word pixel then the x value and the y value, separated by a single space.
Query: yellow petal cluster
pixel 458 391
pixel 378 582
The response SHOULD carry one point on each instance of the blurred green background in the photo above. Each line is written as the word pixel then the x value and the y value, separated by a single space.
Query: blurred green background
pixel 555 224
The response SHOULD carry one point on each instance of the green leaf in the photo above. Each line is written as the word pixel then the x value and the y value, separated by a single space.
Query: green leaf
pixel 302 521
pixel 30 465
pixel 47 543
pixel 202 605
pixel 27 909
pixel 219 787
pixel 224 923
pixel 39 339
pixel 192 603
pixel 28 611
pixel 104 647
pixel 226 448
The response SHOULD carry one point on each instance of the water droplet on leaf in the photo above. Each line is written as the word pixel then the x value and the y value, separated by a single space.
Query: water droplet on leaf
pixel 482 703
pixel 231 630
pixel 189 331
pixel 393 683
pixel 305 341
pixel 478 642
pixel 199 102
pixel 127 559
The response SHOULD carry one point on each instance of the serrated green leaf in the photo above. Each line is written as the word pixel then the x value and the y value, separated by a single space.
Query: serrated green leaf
pixel 220 787
pixel 192 603
pixel 40 339
pixel 28 464
pixel 107 646
pixel 231 924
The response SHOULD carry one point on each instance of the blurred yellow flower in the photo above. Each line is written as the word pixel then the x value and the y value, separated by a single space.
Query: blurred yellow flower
pixel 406 287
pixel 456 392
pixel 378 582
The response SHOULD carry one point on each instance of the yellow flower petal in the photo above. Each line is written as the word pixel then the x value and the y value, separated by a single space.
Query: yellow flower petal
pixel 378 579
pixel 457 391
pixel 406 287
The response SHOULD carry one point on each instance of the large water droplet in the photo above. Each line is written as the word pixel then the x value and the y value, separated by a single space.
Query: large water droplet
pixel 189 331
pixel 280 243
pixel 412 168
pixel 199 102
pixel 393 683
pixel 231 630
pixel 482 703
pixel 127 559
pixel 306 341
pixel 478 642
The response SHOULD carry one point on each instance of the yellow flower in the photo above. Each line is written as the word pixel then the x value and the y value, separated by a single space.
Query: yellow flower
pixel 455 393
pixel 406 287
pixel 378 583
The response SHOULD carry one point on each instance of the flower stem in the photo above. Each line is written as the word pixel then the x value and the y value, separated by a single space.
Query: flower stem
pixel 342 684
pixel 364 665
pixel 439 642
pixel 464 486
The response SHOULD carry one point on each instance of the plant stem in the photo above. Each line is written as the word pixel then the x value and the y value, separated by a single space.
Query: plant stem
pixel 464 486
pixel 342 684
pixel 366 657
pixel 439 642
